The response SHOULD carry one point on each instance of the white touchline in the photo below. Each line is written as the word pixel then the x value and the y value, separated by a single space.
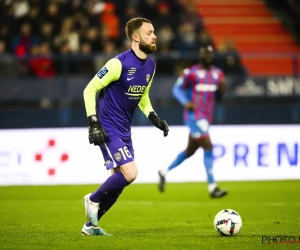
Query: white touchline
pixel 196 203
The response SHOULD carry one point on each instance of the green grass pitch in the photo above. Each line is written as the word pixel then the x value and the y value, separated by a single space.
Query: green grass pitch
pixel 51 217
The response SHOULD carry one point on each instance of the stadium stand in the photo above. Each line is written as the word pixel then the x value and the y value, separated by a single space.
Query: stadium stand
pixel 49 50
pixel 255 30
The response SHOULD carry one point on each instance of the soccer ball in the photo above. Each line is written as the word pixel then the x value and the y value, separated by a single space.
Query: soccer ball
pixel 228 222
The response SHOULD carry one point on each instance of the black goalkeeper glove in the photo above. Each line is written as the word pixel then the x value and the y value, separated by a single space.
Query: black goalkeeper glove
pixel 159 123
pixel 97 134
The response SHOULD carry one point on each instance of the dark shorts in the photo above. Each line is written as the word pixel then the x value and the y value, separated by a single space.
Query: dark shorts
pixel 117 152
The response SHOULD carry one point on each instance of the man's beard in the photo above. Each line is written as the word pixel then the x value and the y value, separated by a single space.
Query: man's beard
pixel 147 48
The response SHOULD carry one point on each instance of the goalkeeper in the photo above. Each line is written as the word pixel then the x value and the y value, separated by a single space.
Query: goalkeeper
pixel 123 84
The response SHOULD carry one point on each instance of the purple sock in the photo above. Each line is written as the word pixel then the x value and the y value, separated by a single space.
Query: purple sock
pixel 113 183
pixel 108 201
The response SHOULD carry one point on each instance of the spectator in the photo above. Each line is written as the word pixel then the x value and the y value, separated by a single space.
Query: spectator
pixel 110 21
pixel 92 37
pixel 192 16
pixel 165 17
pixel 23 42
pixel 7 62
pixel 231 64
pixel 46 35
pixel 165 45
pixel 80 22
pixel 33 18
pixel 176 7
pixel 35 3
pixel 120 6
pixel 165 39
pixel 205 39
pixel 77 26
pixel 20 8
pixel 97 6
pixel 42 64
pixel 148 8
pixel 186 40
pixel 85 65
pixel 126 44
pixel 130 12
pixel 9 22
pixel 6 38
pixel 65 64
pixel 92 16
pixel 70 7
pixel 109 50
pixel 53 16
pixel 68 34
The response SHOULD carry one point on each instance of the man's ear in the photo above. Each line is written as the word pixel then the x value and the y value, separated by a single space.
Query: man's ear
pixel 135 38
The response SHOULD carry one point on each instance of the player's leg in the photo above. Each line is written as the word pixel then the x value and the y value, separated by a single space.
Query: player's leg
pixel 181 157
pixel 118 155
pixel 111 198
pixel 206 144
pixel 188 152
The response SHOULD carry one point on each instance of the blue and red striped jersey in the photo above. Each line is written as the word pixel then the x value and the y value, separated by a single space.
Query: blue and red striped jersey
pixel 198 85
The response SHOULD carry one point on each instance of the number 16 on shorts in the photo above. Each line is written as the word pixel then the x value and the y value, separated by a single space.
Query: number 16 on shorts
pixel 117 152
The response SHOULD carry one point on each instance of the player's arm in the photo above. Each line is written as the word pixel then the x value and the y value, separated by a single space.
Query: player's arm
pixel 179 92
pixel 109 73
pixel 147 109
pixel 145 103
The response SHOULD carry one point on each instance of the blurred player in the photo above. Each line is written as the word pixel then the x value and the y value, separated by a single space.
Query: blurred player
pixel 196 89
pixel 124 84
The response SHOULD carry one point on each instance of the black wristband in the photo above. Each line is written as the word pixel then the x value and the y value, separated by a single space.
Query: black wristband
pixel 152 115
pixel 92 119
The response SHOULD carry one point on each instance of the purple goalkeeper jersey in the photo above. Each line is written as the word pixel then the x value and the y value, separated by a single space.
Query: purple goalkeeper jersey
pixel 119 99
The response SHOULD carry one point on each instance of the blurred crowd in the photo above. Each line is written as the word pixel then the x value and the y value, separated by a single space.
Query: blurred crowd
pixel 288 11
pixel 47 38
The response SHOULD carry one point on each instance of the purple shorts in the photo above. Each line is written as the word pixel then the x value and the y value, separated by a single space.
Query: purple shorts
pixel 117 152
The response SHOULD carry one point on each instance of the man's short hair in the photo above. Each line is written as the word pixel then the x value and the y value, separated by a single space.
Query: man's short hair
pixel 134 24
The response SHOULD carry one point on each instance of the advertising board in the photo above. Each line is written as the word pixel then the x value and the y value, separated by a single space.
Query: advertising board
pixel 64 156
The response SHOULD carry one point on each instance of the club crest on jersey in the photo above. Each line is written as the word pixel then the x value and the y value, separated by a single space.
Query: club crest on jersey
pixel 102 72
pixel 147 78
pixel 117 156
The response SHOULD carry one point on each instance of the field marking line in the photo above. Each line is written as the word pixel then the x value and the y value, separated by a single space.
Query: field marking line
pixel 198 203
